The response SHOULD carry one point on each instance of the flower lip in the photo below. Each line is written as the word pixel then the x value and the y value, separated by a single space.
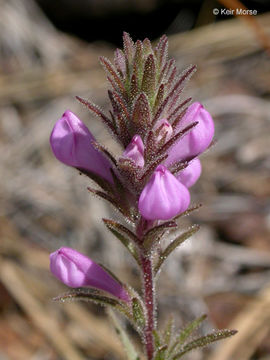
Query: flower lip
pixel 163 197
pixel 135 151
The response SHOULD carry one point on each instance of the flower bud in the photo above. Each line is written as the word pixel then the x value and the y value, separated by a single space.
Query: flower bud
pixel 190 174
pixel 196 140
pixel 135 151
pixel 76 270
pixel 71 143
pixel 163 197
pixel 164 128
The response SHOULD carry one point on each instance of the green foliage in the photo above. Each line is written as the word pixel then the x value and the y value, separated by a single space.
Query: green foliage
pixel 204 341
pixel 123 337
pixel 174 244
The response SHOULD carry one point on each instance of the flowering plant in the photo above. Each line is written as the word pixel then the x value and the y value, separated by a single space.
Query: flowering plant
pixel 162 136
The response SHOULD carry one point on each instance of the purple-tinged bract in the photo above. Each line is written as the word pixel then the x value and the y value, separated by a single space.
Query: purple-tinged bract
pixel 77 270
pixel 190 174
pixel 195 141
pixel 72 144
pixel 163 197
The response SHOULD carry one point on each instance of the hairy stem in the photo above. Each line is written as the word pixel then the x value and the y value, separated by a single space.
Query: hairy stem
pixel 149 299
pixel 148 290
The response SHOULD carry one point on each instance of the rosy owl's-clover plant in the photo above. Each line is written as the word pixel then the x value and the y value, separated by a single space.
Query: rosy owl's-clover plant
pixel 162 136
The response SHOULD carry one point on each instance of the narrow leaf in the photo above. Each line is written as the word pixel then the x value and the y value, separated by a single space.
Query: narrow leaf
pixel 138 312
pixel 157 339
pixel 138 59
pixel 204 341
pixel 154 234
pixel 96 110
pixel 185 333
pixel 174 244
pixel 161 352
pixel 168 331
pixel 159 98
pixel 104 184
pixel 141 114
pixel 111 224
pixel 122 234
pixel 88 296
pixel 119 61
pixel 149 77
pixel 147 47
pixel 128 346
pixel 188 211
pixel 128 46
pixel 109 68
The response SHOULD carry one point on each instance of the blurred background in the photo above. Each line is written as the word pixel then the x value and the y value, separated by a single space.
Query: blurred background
pixel 48 54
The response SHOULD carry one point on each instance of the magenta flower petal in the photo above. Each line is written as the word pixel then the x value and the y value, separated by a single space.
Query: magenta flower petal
pixel 77 270
pixel 197 140
pixel 190 174
pixel 163 197
pixel 164 127
pixel 71 143
pixel 135 151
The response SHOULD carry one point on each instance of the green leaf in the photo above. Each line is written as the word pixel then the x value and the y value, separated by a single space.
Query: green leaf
pixel 141 114
pixel 149 78
pixel 88 296
pixel 128 346
pixel 138 312
pixel 188 211
pixel 161 352
pixel 204 341
pixel 168 331
pixel 185 333
pixel 174 244
pixel 154 234
pixel 157 339
pixel 127 238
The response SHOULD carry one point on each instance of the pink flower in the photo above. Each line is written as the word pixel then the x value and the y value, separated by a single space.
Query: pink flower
pixel 190 174
pixel 164 128
pixel 163 197
pixel 71 143
pixel 135 151
pixel 76 270
pixel 195 141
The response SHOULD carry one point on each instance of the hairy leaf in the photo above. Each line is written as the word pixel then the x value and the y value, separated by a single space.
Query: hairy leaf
pixel 174 244
pixel 121 333
pixel 141 114
pixel 161 352
pixel 204 341
pixel 128 46
pixel 88 296
pixel 96 110
pixel 185 333
pixel 149 77
pixel 138 312
pixel 154 234
pixel 126 237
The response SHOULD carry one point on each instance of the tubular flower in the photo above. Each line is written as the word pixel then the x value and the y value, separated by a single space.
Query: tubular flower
pixel 163 196
pixel 76 270
pixel 71 143
pixel 164 128
pixel 135 151
pixel 195 141
pixel 191 173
